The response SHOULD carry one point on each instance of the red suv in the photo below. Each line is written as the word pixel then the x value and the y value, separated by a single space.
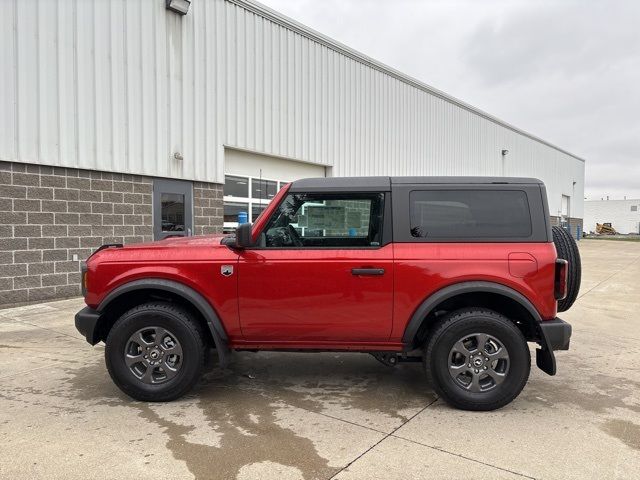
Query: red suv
pixel 459 272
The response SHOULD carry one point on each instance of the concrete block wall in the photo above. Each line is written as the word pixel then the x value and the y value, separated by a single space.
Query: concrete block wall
pixel 207 208
pixel 52 218
pixel 573 222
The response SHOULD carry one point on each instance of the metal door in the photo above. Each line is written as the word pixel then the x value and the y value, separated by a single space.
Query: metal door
pixel 172 209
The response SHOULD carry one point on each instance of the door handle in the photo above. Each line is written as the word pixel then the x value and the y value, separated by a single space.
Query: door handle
pixel 367 271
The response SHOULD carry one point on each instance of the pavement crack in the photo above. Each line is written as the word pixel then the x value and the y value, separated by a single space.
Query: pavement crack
pixel 22 372
pixel 608 278
pixel 382 439
pixel 48 329
pixel 464 457
pixel 347 421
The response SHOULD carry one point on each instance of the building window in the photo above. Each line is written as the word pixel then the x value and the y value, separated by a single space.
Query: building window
pixel 634 208
pixel 236 186
pixel 263 189
pixel 256 210
pixel 172 205
pixel 247 194
pixel 232 209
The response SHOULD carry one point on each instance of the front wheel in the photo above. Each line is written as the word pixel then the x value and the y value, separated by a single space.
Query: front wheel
pixel 155 352
pixel 476 359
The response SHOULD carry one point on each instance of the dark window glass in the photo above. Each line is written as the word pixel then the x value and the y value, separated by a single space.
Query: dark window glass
pixel 232 209
pixel 263 189
pixel 317 220
pixel 463 214
pixel 236 186
pixel 256 210
pixel 634 208
pixel 172 212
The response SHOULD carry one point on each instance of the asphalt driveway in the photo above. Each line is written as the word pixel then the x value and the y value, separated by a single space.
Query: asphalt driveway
pixel 343 416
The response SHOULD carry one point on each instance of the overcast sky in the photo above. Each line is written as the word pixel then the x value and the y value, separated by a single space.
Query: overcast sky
pixel 566 71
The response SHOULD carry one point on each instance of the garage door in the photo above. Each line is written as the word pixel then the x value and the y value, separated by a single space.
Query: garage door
pixel 252 180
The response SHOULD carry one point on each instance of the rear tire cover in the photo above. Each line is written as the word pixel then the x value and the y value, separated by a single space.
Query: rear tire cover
pixel 567 249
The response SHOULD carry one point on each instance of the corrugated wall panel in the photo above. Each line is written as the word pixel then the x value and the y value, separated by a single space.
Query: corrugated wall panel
pixel 8 83
pixel 121 86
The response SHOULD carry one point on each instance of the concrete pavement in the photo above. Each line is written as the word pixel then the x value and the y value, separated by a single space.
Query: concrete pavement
pixel 342 416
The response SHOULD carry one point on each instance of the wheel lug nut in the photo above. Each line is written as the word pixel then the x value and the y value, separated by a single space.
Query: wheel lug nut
pixel 469 365
pixel 476 370
pixel 485 367
pixel 146 356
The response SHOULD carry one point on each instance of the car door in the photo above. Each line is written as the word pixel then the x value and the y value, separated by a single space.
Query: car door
pixel 322 272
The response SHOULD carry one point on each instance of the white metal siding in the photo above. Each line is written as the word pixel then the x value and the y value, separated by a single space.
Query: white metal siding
pixel 120 86
pixel 616 212
pixel 248 164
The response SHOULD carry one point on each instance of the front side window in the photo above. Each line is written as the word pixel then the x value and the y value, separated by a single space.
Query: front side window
pixel 319 220
pixel 460 214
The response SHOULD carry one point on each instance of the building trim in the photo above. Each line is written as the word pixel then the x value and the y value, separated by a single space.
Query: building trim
pixel 287 22
pixel 275 155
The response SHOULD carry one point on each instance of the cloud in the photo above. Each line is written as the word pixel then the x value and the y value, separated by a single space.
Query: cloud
pixel 567 71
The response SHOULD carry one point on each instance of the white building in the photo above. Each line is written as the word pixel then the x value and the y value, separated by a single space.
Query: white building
pixel 143 113
pixel 623 215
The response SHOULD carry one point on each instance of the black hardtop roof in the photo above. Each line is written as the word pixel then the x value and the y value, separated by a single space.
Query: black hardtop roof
pixel 328 184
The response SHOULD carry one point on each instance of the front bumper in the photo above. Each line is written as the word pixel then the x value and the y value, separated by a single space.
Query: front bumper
pixel 87 321
pixel 554 335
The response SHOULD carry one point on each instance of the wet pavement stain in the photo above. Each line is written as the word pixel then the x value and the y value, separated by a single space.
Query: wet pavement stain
pixel 241 407
pixel 243 441
pixel 625 431
pixel 605 392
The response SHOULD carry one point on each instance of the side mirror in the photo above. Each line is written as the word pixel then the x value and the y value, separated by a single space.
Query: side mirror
pixel 243 236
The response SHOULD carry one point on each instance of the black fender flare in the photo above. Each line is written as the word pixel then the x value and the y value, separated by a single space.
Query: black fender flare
pixel 456 289
pixel 214 324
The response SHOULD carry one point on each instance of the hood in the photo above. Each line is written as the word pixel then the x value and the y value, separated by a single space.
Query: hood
pixel 202 247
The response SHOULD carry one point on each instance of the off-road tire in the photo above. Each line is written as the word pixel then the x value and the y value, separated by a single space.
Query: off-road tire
pixel 567 249
pixel 456 325
pixel 180 323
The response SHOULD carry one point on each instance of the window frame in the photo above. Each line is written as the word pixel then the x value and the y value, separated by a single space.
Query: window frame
pixel 385 228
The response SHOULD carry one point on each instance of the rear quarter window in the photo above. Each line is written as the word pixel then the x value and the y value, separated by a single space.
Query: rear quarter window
pixel 466 214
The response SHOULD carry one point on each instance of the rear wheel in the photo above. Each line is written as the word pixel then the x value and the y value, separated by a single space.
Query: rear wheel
pixel 476 359
pixel 155 352
pixel 567 249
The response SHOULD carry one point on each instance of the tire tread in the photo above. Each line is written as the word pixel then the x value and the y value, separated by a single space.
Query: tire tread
pixel 179 388
pixel 567 249
pixel 442 391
